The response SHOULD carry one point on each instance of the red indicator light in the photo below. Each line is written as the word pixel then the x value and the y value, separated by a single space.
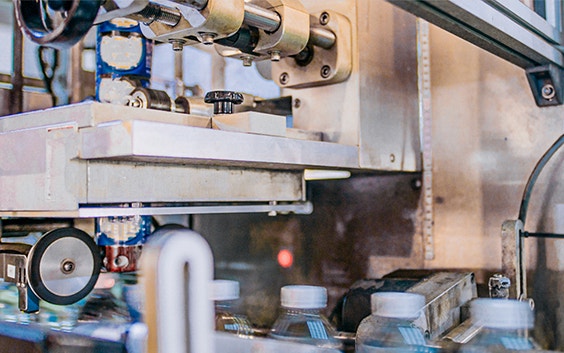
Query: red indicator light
pixel 285 258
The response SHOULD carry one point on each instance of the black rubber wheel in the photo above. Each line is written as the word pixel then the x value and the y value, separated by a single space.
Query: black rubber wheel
pixel 63 266
pixel 58 25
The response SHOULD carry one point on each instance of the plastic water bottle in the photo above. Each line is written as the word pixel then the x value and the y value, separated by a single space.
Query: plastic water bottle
pixel 301 321
pixel 390 327
pixel 505 325
pixel 224 293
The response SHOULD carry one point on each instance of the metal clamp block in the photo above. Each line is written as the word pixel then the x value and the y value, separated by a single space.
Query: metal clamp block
pixel 317 66
pixel 219 19
pixel 292 35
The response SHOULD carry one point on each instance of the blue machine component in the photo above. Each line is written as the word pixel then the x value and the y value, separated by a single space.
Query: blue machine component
pixel 121 239
pixel 123 59
pixel 123 230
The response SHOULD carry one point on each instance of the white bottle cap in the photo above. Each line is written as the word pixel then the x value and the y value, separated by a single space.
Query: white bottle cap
pixel 399 305
pixel 223 289
pixel 303 297
pixel 502 313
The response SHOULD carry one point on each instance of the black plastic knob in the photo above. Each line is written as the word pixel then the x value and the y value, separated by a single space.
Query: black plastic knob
pixel 223 101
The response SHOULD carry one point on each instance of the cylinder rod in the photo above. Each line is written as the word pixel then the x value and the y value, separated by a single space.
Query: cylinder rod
pixel 269 21
pixel 321 37
pixel 256 16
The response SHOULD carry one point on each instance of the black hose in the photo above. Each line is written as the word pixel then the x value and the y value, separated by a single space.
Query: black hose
pixel 534 175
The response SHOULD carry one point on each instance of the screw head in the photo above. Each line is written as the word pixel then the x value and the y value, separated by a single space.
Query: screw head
pixel 548 92
pixel 284 78
pixel 177 44
pixel 392 158
pixel 275 55
pixel 207 38
pixel 67 266
pixel 297 103
pixel 324 18
pixel 247 61
pixel 325 71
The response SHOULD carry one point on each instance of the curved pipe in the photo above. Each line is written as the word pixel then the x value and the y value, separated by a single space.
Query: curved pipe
pixel 177 267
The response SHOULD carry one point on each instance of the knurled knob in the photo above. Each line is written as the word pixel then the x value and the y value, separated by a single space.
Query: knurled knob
pixel 223 101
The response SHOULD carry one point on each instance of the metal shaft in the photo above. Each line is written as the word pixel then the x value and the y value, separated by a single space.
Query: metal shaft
pixel 256 16
pixel 269 21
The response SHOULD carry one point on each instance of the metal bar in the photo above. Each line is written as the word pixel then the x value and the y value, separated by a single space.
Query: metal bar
pixel 542 235
pixel 488 28
pixel 256 16
pixel 16 95
pixel 27 81
pixel 529 19
pixel 296 207
pixel 321 37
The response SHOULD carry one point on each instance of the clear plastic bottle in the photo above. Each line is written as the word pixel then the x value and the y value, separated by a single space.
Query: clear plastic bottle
pixel 505 324
pixel 224 293
pixel 390 327
pixel 301 321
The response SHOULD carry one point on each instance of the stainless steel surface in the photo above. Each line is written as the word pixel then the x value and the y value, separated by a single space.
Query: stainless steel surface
pixel 52 271
pixel 445 294
pixel 487 136
pixel 256 16
pixel 294 207
pixel 151 141
pixel 494 28
pixel 426 122
pixel 67 167
pixel 293 33
pixel 363 111
pixel 513 258
pixel 550 30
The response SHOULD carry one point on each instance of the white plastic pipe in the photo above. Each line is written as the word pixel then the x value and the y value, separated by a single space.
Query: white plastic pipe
pixel 177 267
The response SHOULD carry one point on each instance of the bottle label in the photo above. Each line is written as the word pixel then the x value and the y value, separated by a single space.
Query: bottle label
pixel 412 335
pixel 317 330
pixel 516 343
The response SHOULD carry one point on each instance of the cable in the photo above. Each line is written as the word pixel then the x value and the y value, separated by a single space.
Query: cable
pixel 534 175
pixel 48 70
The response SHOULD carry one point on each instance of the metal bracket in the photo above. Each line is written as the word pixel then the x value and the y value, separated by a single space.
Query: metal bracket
pixel 512 257
pixel 13 268
pixel 546 84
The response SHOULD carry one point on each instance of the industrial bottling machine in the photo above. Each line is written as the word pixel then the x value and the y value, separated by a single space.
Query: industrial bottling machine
pixel 352 100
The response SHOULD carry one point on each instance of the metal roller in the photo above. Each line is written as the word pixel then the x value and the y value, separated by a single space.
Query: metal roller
pixel 63 266
pixel 150 99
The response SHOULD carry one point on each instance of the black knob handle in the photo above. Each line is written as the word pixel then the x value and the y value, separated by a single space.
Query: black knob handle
pixel 223 101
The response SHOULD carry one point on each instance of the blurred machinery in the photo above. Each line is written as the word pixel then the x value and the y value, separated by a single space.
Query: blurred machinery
pixel 356 102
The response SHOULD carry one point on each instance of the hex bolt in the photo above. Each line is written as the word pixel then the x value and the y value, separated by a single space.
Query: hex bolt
pixel 324 18
pixel 325 71
pixel 275 55
pixel 207 38
pixel 177 44
pixel 247 61
pixel 223 101
pixel 548 92
pixel 284 78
